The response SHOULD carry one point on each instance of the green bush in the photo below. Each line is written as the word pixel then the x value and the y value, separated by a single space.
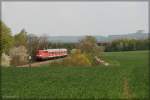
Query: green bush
pixel 76 58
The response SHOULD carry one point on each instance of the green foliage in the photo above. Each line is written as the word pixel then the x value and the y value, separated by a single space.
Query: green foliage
pixel 6 40
pixel 21 38
pixel 79 82
pixel 77 59
pixel 89 46
pixel 128 45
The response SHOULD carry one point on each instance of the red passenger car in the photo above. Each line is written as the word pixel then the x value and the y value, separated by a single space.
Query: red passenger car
pixel 51 53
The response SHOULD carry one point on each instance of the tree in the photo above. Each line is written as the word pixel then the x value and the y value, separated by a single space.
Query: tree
pixel 128 45
pixel 35 43
pixel 6 40
pixel 43 42
pixel 89 46
pixel 21 38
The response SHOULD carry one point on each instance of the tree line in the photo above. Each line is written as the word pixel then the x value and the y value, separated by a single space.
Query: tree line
pixel 116 45
pixel 127 45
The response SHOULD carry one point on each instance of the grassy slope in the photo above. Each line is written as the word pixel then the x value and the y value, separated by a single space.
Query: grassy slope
pixel 129 78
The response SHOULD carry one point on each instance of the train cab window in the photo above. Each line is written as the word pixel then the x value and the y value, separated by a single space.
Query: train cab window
pixel 37 52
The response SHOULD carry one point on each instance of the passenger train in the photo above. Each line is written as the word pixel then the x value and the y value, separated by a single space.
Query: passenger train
pixel 50 53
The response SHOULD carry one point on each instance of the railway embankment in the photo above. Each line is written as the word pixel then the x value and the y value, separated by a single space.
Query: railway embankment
pixel 39 63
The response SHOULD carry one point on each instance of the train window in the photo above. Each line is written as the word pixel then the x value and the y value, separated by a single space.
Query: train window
pixel 45 52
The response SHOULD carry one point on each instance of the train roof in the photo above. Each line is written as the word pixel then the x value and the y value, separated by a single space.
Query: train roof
pixel 63 49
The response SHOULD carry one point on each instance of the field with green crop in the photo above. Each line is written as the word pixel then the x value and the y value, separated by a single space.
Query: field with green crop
pixel 127 77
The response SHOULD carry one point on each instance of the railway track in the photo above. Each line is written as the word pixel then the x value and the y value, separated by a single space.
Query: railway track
pixel 39 63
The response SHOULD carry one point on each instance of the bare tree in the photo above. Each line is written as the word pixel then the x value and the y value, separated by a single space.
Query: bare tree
pixel 35 43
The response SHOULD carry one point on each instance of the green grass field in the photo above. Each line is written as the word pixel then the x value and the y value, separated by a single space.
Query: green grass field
pixel 127 77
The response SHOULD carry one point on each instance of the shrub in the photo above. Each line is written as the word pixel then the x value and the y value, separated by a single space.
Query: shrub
pixel 77 58
pixel 5 60
pixel 89 47
pixel 19 55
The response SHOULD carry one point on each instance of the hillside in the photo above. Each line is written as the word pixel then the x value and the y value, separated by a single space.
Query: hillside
pixel 74 39
pixel 137 36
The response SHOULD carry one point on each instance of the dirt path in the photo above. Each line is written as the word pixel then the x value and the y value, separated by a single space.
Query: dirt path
pixel 126 90
pixel 37 64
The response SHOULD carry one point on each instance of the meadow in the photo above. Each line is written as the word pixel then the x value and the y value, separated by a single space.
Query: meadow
pixel 127 77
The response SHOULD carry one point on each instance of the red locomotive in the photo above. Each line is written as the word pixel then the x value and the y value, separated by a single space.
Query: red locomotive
pixel 50 53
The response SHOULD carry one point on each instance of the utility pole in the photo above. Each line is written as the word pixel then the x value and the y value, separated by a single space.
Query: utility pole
pixel 29 48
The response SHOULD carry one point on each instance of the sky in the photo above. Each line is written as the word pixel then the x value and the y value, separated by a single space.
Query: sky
pixel 76 18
